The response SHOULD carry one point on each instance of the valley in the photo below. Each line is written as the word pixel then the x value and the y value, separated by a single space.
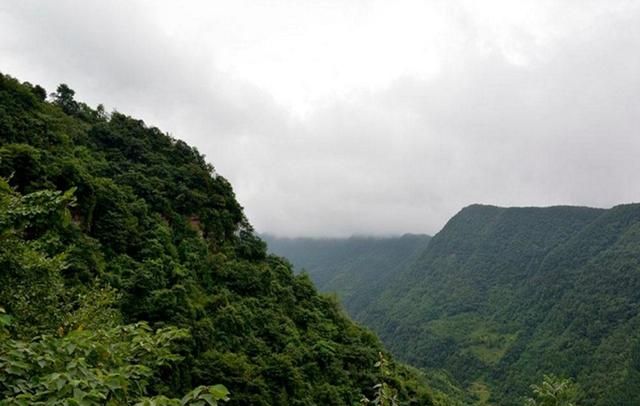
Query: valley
pixel 501 296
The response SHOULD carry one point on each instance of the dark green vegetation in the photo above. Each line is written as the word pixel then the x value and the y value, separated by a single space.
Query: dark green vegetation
pixel 501 296
pixel 355 268
pixel 128 271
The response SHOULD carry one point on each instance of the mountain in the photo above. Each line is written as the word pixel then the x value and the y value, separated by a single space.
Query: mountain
pixel 356 268
pixel 130 274
pixel 502 296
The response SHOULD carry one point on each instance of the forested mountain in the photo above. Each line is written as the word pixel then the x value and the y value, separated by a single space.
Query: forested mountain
pixel 503 295
pixel 129 273
pixel 356 268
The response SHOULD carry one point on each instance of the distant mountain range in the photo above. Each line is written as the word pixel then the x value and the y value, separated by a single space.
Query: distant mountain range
pixel 355 268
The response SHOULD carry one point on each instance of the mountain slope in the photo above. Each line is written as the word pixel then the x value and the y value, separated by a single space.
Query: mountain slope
pixel 147 231
pixel 355 268
pixel 501 296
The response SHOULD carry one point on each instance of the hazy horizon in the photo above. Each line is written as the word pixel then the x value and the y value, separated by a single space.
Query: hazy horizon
pixel 367 118
pixel 400 235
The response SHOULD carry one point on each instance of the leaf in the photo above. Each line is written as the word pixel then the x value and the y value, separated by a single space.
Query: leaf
pixel 219 392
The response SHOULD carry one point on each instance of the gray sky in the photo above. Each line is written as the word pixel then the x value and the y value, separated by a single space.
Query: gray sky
pixel 337 117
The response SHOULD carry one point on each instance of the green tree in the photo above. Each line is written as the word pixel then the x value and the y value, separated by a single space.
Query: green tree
pixel 554 391
pixel 32 258
pixel 384 393
pixel 64 97
pixel 89 359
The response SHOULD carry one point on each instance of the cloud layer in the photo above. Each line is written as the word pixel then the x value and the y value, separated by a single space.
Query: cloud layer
pixel 339 118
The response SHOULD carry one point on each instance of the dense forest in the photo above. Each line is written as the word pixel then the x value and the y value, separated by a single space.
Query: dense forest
pixel 502 296
pixel 356 268
pixel 130 275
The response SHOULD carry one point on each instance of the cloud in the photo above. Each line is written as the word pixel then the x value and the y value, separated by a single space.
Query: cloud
pixel 342 118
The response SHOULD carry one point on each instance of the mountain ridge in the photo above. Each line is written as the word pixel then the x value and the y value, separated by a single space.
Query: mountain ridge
pixel 120 240
pixel 505 274
pixel 502 295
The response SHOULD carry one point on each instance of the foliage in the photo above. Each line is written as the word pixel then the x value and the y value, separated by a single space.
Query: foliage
pixel 385 394
pixel 89 359
pixel 112 366
pixel 31 278
pixel 553 391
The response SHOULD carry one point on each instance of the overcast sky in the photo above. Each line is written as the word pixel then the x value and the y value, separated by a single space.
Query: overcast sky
pixel 333 118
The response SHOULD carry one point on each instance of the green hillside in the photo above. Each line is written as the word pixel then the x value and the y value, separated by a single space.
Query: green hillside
pixel 355 268
pixel 502 296
pixel 130 274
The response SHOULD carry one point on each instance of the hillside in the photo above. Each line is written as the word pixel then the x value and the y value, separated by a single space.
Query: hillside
pixel 355 268
pixel 130 273
pixel 502 295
